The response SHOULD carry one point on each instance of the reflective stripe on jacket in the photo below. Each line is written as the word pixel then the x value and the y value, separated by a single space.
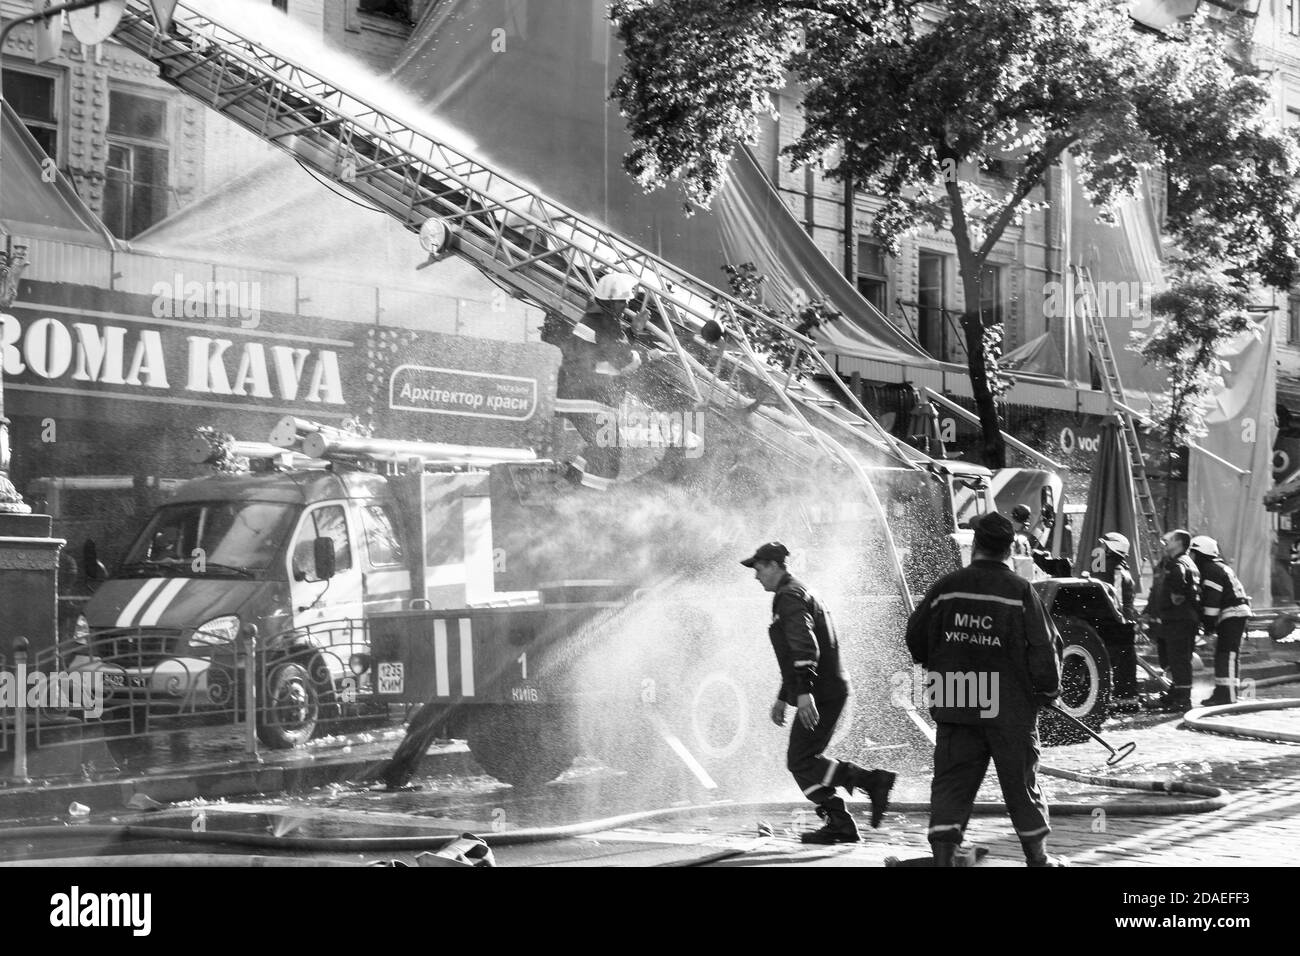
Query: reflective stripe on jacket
pixel 585 384
pixel 1223 595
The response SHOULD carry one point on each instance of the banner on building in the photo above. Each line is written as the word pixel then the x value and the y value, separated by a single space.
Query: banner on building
pixel 1242 429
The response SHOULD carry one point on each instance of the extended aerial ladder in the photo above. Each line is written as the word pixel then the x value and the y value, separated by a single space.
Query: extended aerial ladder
pixel 542 251
pixel 1099 338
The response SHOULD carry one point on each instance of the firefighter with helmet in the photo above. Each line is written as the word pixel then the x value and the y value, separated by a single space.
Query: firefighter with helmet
pixel 597 358
pixel 1225 609
pixel 1111 566
pixel 1026 542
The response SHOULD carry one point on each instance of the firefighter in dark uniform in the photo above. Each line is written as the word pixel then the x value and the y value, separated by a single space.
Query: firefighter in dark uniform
pixel 1026 543
pixel 990 655
pixel 1111 566
pixel 596 360
pixel 813 680
pixel 1174 611
pixel 1225 609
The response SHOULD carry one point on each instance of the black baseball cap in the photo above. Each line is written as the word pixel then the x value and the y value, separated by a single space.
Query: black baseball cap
pixel 772 551
pixel 993 532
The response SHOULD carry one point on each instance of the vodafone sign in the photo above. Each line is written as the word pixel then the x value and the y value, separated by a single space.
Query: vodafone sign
pixel 1072 441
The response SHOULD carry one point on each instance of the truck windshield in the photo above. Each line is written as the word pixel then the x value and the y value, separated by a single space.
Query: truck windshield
pixel 219 537
pixel 968 501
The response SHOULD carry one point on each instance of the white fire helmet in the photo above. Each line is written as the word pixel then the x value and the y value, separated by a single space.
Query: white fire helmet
pixel 1114 541
pixel 615 286
pixel 1204 544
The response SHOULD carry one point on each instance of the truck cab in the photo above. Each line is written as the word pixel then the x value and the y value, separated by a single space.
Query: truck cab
pixel 292 554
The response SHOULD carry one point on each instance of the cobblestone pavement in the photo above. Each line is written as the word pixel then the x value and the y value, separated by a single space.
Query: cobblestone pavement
pixel 1259 827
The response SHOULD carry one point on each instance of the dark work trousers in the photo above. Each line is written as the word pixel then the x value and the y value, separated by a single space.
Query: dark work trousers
pixel 1227 651
pixel 961 758
pixel 817 774
pixel 1123 662
pixel 1179 643
pixel 603 455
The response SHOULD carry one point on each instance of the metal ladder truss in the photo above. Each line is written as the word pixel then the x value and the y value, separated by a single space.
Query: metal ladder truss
pixel 1099 339
pixel 538 249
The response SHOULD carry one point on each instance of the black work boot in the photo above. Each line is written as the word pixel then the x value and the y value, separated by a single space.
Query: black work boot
pixel 1221 695
pixel 838 828
pixel 945 854
pixel 876 784
pixel 1036 853
pixel 1174 701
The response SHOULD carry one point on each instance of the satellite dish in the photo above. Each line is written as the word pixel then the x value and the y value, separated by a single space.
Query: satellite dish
pixel 96 24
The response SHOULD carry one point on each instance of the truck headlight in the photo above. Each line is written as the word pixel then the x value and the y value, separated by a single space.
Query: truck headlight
pixel 81 630
pixel 219 630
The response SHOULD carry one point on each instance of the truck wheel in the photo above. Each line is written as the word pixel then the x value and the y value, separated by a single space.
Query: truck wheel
pixel 522 746
pixel 1085 683
pixel 288 716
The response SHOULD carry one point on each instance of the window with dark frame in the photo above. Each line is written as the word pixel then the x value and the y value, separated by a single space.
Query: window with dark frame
pixel 34 97
pixel 991 295
pixel 137 192
pixel 1292 17
pixel 1293 320
pixel 397 9
pixel 932 301
pixel 873 275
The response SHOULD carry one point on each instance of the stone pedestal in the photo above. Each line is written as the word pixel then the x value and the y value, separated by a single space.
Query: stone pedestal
pixel 29 569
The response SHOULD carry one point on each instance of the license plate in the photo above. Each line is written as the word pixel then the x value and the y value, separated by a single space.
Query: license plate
pixel 392 677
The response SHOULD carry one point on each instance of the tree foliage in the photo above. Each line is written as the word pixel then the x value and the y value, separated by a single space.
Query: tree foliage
pixel 909 99
pixel 746 285
pixel 1202 309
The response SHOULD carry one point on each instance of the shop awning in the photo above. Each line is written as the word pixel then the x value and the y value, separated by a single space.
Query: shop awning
pixel 34 208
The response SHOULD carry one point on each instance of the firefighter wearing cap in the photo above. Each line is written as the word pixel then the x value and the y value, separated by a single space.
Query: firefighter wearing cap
pixel 1225 608
pixel 1174 611
pixel 596 359
pixel 990 655
pixel 1111 566
pixel 813 680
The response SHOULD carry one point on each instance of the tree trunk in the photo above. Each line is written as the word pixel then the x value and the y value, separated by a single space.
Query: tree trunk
pixel 993 447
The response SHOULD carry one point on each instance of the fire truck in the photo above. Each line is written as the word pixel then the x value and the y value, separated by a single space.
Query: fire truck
pixel 522 612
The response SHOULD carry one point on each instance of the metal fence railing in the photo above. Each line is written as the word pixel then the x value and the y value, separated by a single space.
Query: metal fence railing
pixel 129 686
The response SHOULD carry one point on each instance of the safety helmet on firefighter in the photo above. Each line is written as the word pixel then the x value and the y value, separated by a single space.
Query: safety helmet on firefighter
pixel 1115 542
pixel 615 286
pixel 1204 544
